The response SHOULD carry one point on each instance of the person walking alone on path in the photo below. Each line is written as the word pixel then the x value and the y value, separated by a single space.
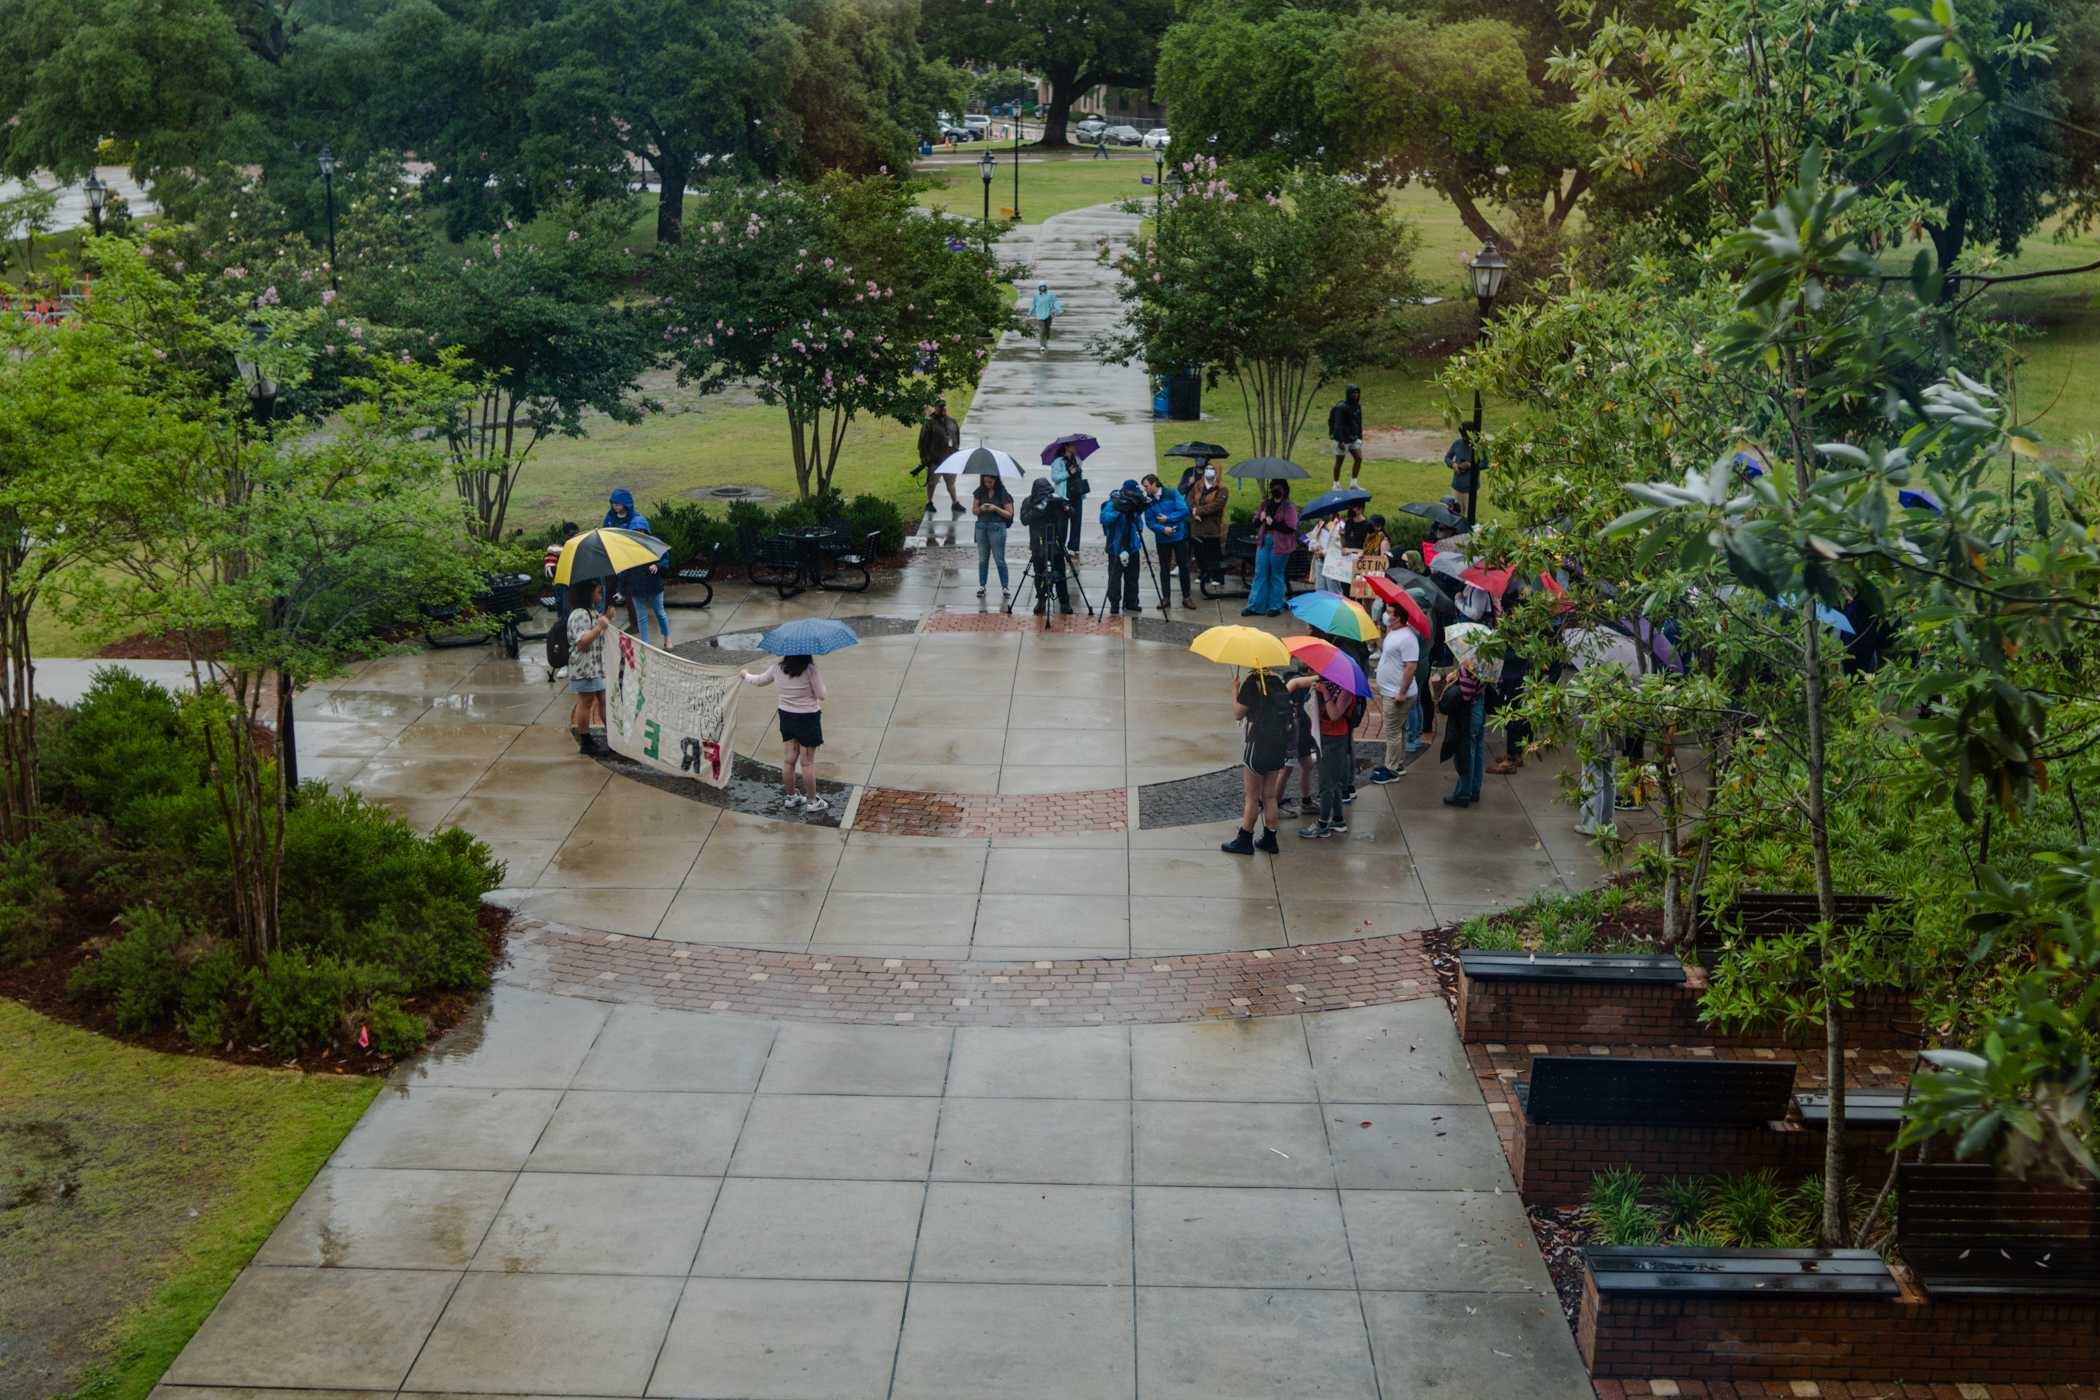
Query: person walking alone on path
pixel 1120 515
pixel 1275 540
pixel 993 506
pixel 1168 518
pixel 1399 657
pixel 1045 309
pixel 587 631
pixel 939 437
pixel 801 699
pixel 1345 426
pixel 1208 498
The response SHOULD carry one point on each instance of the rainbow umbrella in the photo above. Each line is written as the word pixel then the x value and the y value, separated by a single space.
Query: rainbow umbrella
pixel 1329 663
pixel 1335 615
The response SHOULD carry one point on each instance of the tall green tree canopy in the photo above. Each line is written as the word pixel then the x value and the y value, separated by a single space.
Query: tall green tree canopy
pixel 1073 44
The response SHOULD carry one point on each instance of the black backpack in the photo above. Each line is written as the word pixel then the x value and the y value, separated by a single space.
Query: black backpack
pixel 558 643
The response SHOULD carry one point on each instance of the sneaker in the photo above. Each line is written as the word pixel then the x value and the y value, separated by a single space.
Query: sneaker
pixel 1382 775
pixel 815 805
pixel 1318 831
pixel 1038 610
pixel 1585 829
pixel 980 592
pixel 1267 843
pixel 1115 612
pixel 1348 797
pixel 1337 827
pixel 1249 612
pixel 1240 845
pixel 1454 800
pixel 1354 485
pixel 793 802
pixel 955 509
pixel 1065 610
pixel 1288 807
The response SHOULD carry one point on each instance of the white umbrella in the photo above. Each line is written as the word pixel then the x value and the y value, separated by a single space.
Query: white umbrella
pixel 1464 639
pixel 981 461
pixel 1589 647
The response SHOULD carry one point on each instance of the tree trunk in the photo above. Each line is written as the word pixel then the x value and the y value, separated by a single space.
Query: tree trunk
pixel 670 201
pixel 1947 239
pixel 1065 89
pixel 1833 1232
pixel 1673 874
pixel 18 792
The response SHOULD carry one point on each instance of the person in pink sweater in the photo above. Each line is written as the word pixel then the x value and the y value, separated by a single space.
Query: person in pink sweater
pixel 801 699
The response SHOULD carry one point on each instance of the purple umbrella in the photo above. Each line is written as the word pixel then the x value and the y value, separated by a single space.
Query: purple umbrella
pixel 1654 642
pixel 1081 443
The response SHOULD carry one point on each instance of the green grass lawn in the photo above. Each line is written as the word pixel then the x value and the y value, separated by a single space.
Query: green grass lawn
pixel 136 1186
pixel 1050 184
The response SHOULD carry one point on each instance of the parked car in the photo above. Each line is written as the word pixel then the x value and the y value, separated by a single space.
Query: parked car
pixel 978 122
pixel 1156 139
pixel 1125 136
pixel 961 133
pixel 1090 129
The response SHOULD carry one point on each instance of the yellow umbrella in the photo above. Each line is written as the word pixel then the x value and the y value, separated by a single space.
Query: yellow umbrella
pixel 604 552
pixel 1241 646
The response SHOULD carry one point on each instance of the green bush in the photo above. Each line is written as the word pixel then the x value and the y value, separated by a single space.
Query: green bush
pixel 207 1008
pixel 691 531
pixel 302 1002
pixel 1755 1211
pixel 1403 532
pixel 124 747
pixel 1684 1201
pixel 395 1030
pixel 139 976
pixel 873 514
pixel 31 902
pixel 1616 1211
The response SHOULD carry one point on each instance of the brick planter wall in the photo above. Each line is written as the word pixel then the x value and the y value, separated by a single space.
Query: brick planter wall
pixel 1553 1162
pixel 2024 1341
pixel 1651 1013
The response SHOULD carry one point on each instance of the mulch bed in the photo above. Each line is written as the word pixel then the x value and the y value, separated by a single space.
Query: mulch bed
pixel 1441 943
pixel 1562 1232
pixel 41 986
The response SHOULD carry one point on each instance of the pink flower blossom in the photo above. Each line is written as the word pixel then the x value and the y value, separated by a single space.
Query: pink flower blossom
pixel 269 297
pixel 328 297
pixel 574 235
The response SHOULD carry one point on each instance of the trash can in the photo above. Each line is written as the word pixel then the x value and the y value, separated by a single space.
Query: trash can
pixel 1185 395
pixel 1161 404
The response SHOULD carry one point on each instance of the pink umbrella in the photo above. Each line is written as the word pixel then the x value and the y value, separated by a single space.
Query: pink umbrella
pixel 1493 582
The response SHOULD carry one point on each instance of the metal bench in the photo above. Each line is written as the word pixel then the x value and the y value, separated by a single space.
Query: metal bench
pixel 697 572
pixel 1966 1230
pixel 1688 1271
pixel 1871 1109
pixel 1572 967
pixel 1602 1091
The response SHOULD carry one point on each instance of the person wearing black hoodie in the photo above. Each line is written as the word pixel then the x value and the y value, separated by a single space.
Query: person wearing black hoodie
pixel 1044 515
pixel 1345 426
pixel 1120 530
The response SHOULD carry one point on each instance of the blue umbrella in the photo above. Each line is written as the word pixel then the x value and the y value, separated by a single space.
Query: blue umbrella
pixel 808 636
pixel 1328 502
pixel 1830 617
pixel 1920 499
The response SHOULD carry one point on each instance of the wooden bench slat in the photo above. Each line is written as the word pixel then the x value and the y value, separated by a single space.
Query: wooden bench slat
pixel 1965 1229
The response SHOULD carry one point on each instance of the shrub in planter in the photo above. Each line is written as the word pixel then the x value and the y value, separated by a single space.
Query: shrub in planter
pixel 206 1008
pixel 872 513
pixel 395 1030
pixel 301 1002
pixel 31 902
pixel 124 748
pixel 690 531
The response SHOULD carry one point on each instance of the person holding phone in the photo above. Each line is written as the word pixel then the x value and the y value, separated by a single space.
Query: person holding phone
pixel 587 631
pixel 993 505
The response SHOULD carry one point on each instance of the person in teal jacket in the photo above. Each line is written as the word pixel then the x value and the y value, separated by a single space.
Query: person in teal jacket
pixel 1168 517
pixel 1045 308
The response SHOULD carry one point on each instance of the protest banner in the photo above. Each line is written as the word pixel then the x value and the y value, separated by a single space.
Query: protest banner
pixel 671 714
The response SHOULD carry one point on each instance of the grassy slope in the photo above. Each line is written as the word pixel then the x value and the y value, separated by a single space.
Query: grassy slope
pixel 179 1169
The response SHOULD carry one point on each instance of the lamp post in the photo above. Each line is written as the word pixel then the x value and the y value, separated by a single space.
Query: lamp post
pixel 1017 169
pixel 987 167
pixel 262 397
pixel 328 183
pixel 1159 184
pixel 97 193
pixel 1487 270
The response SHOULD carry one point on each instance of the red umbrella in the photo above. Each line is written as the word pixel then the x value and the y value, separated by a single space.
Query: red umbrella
pixel 1558 589
pixel 1493 582
pixel 1394 596
pixel 1330 663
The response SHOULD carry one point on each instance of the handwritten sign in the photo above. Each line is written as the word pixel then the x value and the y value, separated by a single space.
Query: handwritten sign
pixel 674 715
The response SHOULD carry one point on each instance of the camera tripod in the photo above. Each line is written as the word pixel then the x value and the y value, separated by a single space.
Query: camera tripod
pixel 1046 586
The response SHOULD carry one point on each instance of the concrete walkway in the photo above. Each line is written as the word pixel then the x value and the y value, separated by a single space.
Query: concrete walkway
pixel 572 1199
pixel 1030 396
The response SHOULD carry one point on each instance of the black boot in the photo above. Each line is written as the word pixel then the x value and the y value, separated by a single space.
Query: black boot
pixel 1267 843
pixel 1240 845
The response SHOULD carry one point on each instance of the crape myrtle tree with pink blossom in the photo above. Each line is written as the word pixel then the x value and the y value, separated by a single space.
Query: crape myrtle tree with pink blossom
pixel 831 300
pixel 1282 285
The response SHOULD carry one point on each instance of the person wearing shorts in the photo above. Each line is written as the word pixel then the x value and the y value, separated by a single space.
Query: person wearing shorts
pixel 1345 427
pixel 1262 702
pixel 801 727
pixel 587 629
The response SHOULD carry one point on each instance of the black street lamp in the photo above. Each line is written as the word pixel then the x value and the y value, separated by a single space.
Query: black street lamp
pixel 1487 270
pixel 262 397
pixel 1159 184
pixel 328 182
pixel 1017 168
pixel 96 193
pixel 987 167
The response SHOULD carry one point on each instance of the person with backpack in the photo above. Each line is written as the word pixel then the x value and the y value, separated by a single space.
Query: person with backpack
pixel 1345 427
pixel 558 634
pixel 587 666
pixel 1262 702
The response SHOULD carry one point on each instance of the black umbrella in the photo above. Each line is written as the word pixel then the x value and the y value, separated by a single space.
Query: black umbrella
pixel 1203 451
pixel 1441 516
pixel 1268 469
pixel 1424 590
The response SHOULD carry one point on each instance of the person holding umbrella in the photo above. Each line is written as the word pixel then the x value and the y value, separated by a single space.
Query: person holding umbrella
pixel 1068 478
pixel 1208 498
pixel 643 586
pixel 1275 540
pixel 1337 682
pixel 939 436
pixel 587 666
pixel 801 697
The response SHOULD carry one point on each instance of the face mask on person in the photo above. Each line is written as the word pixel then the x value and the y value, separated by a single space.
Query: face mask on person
pixel 1210 478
